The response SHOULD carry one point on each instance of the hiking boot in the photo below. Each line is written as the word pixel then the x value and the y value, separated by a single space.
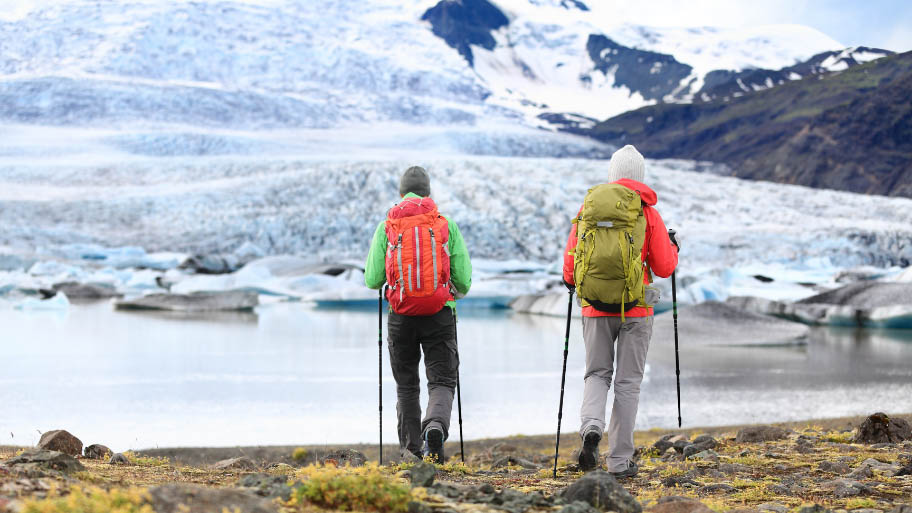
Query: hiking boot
pixel 589 454
pixel 630 471
pixel 433 445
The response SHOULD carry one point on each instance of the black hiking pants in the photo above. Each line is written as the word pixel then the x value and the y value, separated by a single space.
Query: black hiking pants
pixel 409 336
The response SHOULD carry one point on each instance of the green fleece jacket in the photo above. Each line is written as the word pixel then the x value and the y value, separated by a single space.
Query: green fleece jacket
pixel 460 265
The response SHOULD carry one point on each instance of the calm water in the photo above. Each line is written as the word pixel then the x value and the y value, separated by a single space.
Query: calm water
pixel 292 374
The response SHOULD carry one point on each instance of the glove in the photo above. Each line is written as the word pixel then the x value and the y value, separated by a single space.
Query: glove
pixel 571 287
pixel 671 235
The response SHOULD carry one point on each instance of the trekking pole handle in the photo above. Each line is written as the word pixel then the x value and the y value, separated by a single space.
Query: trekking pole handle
pixel 671 235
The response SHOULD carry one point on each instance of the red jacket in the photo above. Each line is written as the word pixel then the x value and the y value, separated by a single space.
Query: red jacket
pixel 660 255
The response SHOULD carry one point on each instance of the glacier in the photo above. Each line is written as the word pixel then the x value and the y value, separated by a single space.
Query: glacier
pixel 101 223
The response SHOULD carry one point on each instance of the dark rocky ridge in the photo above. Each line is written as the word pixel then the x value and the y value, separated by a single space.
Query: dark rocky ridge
pixel 654 75
pixel 728 84
pixel 850 130
pixel 464 23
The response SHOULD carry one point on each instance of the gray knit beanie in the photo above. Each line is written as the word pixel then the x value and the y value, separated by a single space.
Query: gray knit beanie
pixel 627 163
pixel 415 180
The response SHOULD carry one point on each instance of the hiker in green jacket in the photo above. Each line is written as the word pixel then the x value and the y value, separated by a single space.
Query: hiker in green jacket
pixel 423 258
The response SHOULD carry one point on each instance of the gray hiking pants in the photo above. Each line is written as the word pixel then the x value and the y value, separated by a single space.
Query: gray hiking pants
pixel 409 336
pixel 632 337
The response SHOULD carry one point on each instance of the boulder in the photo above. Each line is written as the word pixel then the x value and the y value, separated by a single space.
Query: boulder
pixel 196 302
pixel 118 459
pixel 267 485
pixel 514 460
pixel 97 452
pixel 836 467
pixel 185 498
pixel 754 434
pixel 675 504
pixel 881 428
pixel 718 487
pixel 38 460
pixel 60 440
pixel 241 463
pixel 774 507
pixel 344 457
pixel 602 491
pixel 423 474
pixel 843 488
pixel 709 455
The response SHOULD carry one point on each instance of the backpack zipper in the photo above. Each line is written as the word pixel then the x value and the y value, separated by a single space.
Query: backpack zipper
pixel 417 259
pixel 399 259
pixel 434 256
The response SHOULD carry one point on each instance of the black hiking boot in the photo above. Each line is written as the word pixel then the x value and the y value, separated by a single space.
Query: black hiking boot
pixel 433 445
pixel 589 454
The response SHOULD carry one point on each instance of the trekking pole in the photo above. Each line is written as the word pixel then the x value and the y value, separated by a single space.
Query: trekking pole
pixel 674 306
pixel 458 388
pixel 560 408
pixel 380 366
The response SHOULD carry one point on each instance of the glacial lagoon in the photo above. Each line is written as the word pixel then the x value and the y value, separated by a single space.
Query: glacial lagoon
pixel 294 374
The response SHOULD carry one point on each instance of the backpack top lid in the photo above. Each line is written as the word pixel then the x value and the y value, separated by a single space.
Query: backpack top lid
pixel 612 205
pixel 409 207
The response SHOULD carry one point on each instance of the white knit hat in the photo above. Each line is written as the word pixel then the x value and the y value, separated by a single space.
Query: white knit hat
pixel 627 163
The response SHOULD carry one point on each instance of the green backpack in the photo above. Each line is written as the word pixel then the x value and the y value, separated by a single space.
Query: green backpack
pixel 608 263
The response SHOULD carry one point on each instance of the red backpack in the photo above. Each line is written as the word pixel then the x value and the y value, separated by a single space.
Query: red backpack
pixel 417 258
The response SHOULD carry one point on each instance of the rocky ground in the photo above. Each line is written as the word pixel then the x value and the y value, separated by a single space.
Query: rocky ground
pixel 860 465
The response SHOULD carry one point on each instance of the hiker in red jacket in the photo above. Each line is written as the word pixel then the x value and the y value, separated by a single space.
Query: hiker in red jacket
pixel 630 330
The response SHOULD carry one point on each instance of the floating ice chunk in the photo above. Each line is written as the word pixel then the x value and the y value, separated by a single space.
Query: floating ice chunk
pixel 57 303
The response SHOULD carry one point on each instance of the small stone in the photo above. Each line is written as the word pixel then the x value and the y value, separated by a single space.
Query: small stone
pixel 419 507
pixel 754 434
pixel 902 508
pixel 884 446
pixel 423 474
pixel 578 507
pixel 676 504
pixel 834 467
pixel 744 453
pixel 718 487
pixel 680 445
pixel 702 439
pixel 38 459
pixel 905 471
pixel 60 440
pixel 280 468
pixel 775 507
pixel 241 463
pixel 602 491
pixel 186 498
pixel 118 459
pixel 816 508
pixel 862 472
pixel 97 452
pixel 843 488
pixel 881 428
pixel 779 489
pixel 513 460
pixel 267 485
pixel 709 455
pixel 663 444
pixel 679 482
pixel 345 457
pixel 733 468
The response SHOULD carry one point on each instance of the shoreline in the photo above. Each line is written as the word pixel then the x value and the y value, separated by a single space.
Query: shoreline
pixel 270 454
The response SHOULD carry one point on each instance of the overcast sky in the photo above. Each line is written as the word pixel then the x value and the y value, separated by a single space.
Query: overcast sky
pixel 879 23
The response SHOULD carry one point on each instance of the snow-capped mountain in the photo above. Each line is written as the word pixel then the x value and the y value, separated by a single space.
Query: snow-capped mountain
pixel 223 71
